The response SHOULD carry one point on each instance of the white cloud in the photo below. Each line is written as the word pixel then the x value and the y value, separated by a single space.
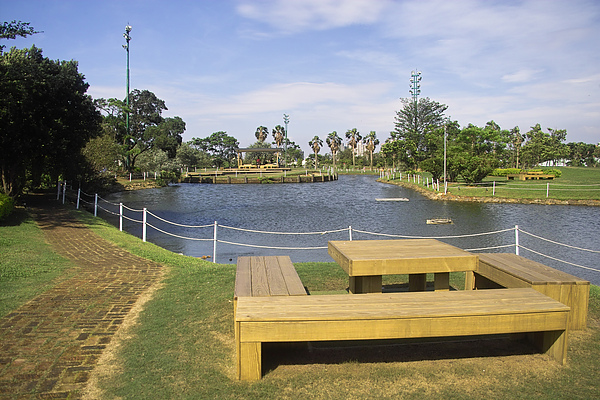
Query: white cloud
pixel 523 75
pixel 300 15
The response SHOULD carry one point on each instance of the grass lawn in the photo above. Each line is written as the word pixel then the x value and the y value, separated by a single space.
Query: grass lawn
pixel 27 264
pixel 575 183
pixel 182 347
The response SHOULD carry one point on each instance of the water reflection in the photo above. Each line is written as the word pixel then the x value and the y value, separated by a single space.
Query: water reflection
pixel 350 201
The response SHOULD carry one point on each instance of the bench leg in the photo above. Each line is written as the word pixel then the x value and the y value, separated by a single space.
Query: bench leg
pixel 417 282
pixel 249 361
pixel 469 280
pixel 365 284
pixel 441 281
pixel 553 343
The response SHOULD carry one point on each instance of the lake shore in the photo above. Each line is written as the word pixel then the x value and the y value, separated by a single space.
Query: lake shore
pixel 479 199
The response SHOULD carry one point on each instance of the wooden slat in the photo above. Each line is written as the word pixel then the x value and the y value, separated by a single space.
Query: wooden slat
pixel 275 280
pixel 243 284
pixel 292 280
pixel 260 283
pixel 395 305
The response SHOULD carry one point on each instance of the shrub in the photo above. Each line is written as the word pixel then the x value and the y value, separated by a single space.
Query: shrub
pixel 505 171
pixel 6 206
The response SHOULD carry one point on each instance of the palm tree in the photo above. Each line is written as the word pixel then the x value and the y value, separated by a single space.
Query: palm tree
pixel 279 136
pixel 353 139
pixel 334 142
pixel 371 141
pixel 316 144
pixel 261 133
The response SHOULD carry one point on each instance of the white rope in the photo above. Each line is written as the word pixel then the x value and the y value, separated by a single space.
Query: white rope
pixel 130 209
pixel 493 247
pixel 131 219
pixel 109 202
pixel 89 195
pixel 177 236
pixel 86 202
pixel 283 233
pixel 561 244
pixel 176 224
pixel 271 247
pixel 108 211
pixel 556 259
pixel 434 237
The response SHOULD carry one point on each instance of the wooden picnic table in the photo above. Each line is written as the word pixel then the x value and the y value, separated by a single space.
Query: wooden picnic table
pixel 366 261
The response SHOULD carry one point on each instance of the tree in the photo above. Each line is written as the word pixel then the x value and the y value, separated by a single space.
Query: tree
pixel 10 30
pixel 46 118
pixel 334 142
pixel 542 147
pixel 220 146
pixel 102 153
pixel 165 136
pixel 316 144
pixel 261 133
pixel 371 141
pixel 412 123
pixel 279 135
pixel 516 140
pixel 354 138
pixel 475 155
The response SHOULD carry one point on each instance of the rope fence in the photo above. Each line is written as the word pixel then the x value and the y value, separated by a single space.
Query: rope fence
pixel 516 245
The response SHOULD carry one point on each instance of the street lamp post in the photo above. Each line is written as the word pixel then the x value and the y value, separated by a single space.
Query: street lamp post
pixel 286 120
pixel 126 47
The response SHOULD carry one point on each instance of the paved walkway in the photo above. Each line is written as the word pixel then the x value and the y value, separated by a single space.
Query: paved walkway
pixel 49 346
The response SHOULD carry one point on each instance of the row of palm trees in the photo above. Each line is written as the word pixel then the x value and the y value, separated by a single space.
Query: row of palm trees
pixel 334 141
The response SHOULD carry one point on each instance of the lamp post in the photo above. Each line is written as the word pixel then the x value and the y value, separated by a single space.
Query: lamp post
pixel 286 120
pixel 126 47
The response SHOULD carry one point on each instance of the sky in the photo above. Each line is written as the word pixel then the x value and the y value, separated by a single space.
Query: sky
pixel 333 65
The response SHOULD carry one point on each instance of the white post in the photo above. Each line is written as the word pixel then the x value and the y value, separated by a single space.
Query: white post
pixel 78 197
pixel 215 243
pixel 350 231
pixel 58 193
pixel 517 239
pixel 144 220
pixel 494 189
pixel 130 176
pixel 547 189
pixel 121 217
pixel 64 191
pixel 96 205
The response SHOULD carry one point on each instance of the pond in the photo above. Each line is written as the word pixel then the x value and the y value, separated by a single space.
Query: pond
pixel 349 202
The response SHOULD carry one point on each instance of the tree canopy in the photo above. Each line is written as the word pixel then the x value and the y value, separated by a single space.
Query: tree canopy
pixel 46 118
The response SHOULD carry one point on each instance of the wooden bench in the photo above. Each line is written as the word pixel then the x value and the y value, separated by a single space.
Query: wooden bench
pixel 396 316
pixel 497 270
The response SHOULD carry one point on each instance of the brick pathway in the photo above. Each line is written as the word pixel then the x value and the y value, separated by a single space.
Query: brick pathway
pixel 49 346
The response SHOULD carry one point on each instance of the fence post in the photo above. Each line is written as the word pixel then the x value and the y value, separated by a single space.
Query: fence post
pixel 215 243
pixel 517 239
pixel 64 190
pixel 96 205
pixel 78 197
pixel 547 189
pixel 144 220
pixel 121 217
pixel 350 231
pixel 494 189
pixel 58 193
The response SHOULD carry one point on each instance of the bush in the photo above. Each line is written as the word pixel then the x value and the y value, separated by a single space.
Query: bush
pixel 505 171
pixel 6 206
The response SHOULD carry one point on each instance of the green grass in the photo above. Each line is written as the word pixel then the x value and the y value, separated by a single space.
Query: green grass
pixel 183 347
pixel 27 264
pixel 575 183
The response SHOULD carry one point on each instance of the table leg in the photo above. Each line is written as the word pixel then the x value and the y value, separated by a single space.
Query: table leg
pixel 365 284
pixel 417 282
pixel 441 281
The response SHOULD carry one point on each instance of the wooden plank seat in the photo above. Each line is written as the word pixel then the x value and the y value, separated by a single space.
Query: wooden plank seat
pixel 267 276
pixel 497 270
pixel 396 316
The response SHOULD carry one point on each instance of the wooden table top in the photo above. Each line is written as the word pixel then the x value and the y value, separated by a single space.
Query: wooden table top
pixel 404 256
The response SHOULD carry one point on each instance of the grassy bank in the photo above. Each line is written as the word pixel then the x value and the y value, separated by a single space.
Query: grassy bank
pixel 27 264
pixel 575 183
pixel 183 347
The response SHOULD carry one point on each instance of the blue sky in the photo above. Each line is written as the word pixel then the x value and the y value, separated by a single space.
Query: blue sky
pixel 233 65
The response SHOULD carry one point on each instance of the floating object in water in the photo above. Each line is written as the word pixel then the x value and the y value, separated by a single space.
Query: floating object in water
pixel 393 199
pixel 439 221
pixel 205 257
